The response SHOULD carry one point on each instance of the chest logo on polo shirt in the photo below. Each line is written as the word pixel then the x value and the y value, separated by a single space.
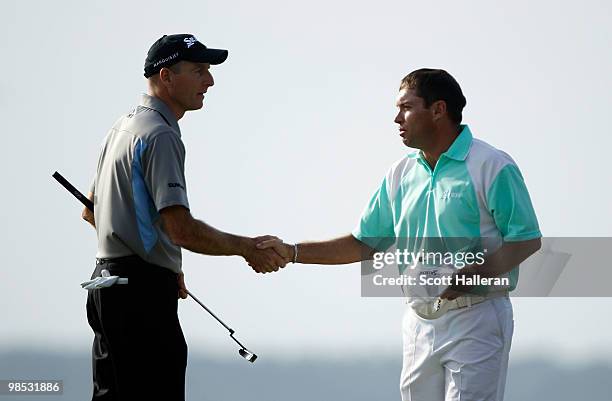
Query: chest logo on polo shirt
pixel 450 195
pixel 190 41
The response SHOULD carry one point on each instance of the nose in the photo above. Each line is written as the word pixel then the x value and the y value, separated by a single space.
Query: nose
pixel 210 81
pixel 398 119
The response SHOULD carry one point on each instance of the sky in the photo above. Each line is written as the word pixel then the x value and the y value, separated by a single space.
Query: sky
pixel 293 139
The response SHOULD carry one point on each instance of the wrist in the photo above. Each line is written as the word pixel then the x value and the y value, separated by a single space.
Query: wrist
pixel 293 252
pixel 244 246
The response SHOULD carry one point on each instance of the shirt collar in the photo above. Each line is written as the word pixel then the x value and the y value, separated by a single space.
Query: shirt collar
pixel 158 105
pixel 461 146
pixel 458 150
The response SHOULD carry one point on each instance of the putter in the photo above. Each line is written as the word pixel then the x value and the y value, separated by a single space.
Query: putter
pixel 77 194
pixel 243 351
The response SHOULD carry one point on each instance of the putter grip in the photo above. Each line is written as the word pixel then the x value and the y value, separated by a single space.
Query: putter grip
pixel 88 204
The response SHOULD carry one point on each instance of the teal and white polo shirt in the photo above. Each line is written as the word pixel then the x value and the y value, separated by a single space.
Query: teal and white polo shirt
pixel 475 191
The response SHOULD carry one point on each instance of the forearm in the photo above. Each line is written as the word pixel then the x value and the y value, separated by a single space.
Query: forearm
pixel 337 251
pixel 202 238
pixel 510 255
pixel 506 258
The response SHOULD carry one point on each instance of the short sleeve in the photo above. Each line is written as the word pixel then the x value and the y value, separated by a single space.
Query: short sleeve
pixel 163 162
pixel 375 227
pixel 510 205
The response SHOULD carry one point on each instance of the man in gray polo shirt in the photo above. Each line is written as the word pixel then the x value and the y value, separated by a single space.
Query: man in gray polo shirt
pixel 142 220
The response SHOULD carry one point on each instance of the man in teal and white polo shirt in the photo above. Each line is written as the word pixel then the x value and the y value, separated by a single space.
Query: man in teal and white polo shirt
pixel 453 186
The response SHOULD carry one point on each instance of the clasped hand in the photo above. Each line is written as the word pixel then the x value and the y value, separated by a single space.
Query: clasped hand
pixel 267 254
pixel 264 254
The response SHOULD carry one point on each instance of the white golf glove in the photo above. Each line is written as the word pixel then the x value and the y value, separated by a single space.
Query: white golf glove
pixel 105 280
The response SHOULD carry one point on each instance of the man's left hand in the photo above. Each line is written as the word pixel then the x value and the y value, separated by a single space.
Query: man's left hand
pixel 454 290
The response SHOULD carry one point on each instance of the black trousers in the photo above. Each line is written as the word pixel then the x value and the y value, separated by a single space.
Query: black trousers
pixel 139 351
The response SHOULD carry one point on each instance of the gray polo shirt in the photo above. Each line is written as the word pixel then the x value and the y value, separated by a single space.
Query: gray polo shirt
pixel 141 170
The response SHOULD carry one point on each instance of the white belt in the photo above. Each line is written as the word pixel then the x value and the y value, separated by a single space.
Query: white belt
pixel 469 300
pixel 105 280
pixel 435 309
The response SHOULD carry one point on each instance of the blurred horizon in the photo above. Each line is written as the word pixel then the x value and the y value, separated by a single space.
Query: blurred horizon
pixel 272 379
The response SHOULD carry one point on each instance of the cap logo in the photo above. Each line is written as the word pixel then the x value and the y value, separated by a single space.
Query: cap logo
pixel 190 41
pixel 158 62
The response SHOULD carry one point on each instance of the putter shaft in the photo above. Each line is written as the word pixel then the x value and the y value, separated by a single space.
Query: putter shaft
pixel 231 331
pixel 211 312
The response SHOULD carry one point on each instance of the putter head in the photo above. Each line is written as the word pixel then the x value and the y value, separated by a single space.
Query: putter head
pixel 248 355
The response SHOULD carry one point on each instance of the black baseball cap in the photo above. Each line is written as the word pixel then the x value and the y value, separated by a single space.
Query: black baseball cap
pixel 170 49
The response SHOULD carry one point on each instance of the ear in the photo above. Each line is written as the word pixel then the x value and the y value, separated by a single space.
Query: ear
pixel 165 76
pixel 438 109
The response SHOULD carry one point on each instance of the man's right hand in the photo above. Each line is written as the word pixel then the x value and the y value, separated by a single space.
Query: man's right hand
pixel 264 260
pixel 286 251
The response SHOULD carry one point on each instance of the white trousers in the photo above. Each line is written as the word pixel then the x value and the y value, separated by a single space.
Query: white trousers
pixel 463 355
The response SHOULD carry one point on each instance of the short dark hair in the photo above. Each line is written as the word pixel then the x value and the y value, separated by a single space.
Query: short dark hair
pixel 433 85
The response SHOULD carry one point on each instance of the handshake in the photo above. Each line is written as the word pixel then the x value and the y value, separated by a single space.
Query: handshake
pixel 267 253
